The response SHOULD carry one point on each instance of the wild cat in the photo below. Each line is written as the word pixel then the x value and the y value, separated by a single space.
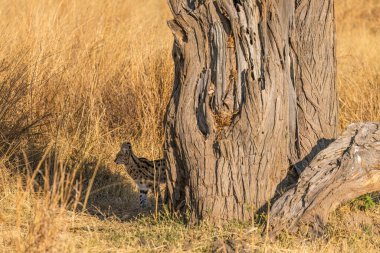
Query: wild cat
pixel 147 174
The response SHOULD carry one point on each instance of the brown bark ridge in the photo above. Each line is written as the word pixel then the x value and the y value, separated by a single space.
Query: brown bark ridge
pixel 254 92
pixel 346 169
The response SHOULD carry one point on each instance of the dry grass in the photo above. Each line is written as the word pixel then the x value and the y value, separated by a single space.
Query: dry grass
pixel 79 77
pixel 358 52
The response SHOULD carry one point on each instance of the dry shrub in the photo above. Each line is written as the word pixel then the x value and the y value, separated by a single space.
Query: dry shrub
pixel 18 110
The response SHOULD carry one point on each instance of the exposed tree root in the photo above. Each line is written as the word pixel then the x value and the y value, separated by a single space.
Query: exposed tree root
pixel 347 168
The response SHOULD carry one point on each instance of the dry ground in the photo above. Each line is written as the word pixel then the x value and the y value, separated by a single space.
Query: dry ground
pixel 79 77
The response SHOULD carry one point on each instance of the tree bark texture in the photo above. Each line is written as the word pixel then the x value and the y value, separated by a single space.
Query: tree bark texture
pixel 254 94
pixel 346 169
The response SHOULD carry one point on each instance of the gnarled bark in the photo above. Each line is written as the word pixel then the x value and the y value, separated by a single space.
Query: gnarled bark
pixel 254 91
pixel 346 169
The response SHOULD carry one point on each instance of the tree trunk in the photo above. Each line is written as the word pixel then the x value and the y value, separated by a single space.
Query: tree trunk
pixel 348 168
pixel 254 94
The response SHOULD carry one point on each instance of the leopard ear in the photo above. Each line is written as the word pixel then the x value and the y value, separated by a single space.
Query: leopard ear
pixel 126 147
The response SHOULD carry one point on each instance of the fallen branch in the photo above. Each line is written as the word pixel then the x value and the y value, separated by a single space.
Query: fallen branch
pixel 349 167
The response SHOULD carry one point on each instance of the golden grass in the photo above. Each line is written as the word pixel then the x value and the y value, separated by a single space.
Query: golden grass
pixel 81 77
pixel 358 53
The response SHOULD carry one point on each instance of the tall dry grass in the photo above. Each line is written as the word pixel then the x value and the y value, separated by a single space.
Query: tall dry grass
pixel 101 70
pixel 358 53
pixel 79 77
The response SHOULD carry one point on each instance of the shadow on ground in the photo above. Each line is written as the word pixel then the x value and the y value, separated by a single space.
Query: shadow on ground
pixel 113 194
